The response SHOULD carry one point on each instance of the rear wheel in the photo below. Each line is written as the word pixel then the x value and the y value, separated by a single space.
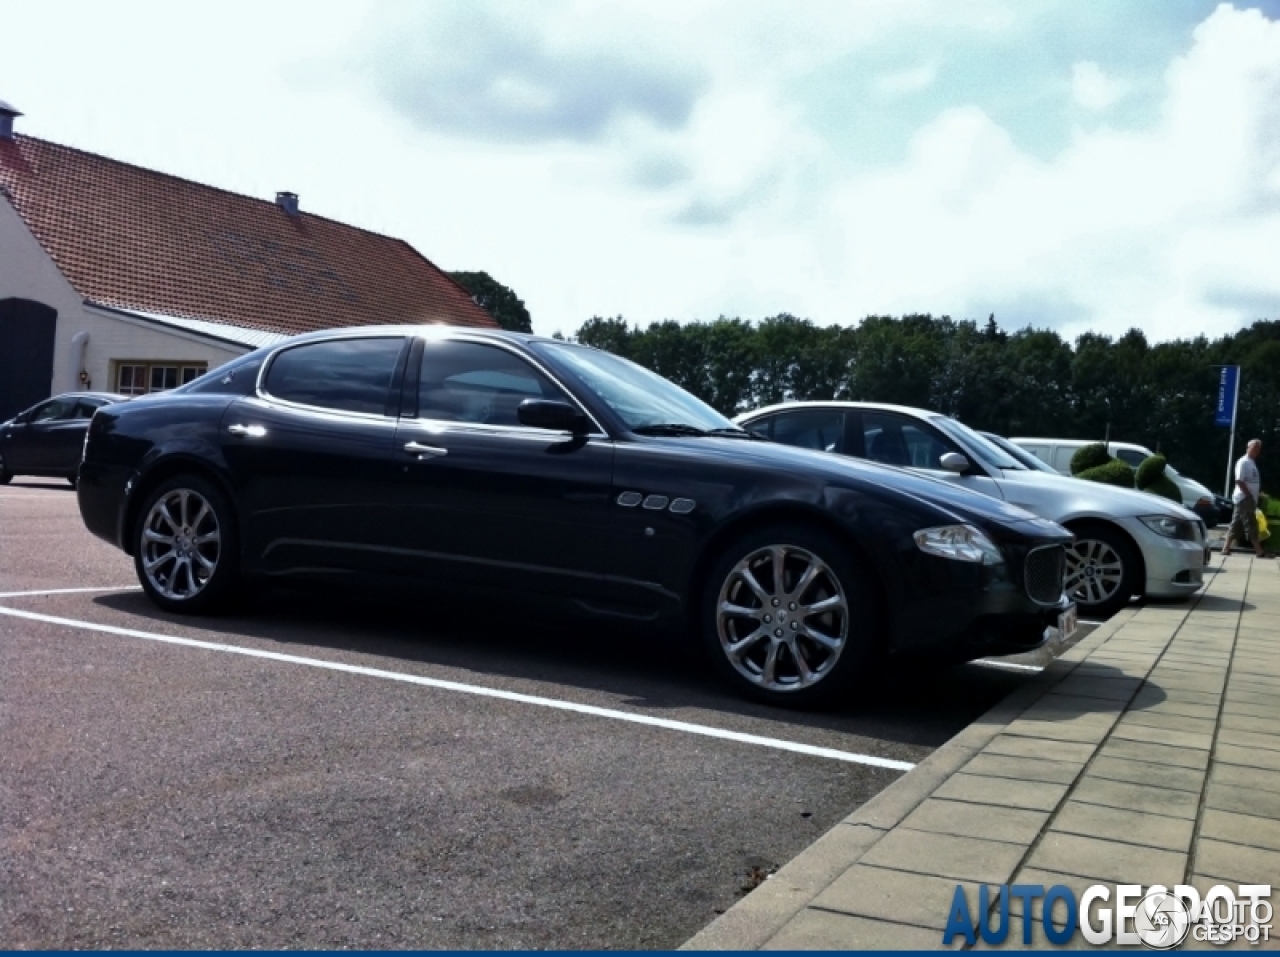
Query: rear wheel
pixel 1102 570
pixel 787 616
pixel 185 546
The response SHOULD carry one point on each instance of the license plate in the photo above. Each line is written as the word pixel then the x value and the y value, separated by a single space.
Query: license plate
pixel 1068 621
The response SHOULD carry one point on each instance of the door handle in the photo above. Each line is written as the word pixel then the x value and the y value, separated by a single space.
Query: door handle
pixel 252 431
pixel 424 451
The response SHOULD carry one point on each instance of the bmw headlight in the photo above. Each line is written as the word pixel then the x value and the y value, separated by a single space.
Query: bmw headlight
pixel 1169 527
pixel 964 543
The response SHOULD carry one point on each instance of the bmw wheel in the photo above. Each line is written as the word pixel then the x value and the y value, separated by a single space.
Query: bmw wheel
pixel 1102 571
pixel 185 546
pixel 787 616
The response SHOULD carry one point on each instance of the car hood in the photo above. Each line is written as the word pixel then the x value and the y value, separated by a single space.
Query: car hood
pixel 1074 495
pixel 843 472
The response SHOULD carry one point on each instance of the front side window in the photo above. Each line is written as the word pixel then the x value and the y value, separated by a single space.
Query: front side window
pixel 474 382
pixel 345 375
pixel 898 440
pixel 820 429
pixel 53 409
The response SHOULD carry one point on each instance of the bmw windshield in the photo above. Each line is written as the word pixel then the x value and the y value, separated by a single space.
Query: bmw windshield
pixel 986 452
pixel 643 400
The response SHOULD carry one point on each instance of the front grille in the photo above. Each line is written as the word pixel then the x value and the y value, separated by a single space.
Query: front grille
pixel 1045 573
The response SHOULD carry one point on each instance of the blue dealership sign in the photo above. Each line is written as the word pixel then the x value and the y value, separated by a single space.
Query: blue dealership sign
pixel 1228 383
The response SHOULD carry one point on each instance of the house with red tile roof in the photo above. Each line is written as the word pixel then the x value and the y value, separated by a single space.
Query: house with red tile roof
pixel 124 279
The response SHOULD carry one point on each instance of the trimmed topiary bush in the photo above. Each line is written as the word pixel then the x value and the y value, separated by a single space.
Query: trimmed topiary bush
pixel 1089 457
pixel 1164 487
pixel 1151 469
pixel 1150 477
pixel 1114 472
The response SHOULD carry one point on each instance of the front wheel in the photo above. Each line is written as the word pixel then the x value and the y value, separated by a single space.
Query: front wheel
pixel 185 550
pixel 1102 571
pixel 788 617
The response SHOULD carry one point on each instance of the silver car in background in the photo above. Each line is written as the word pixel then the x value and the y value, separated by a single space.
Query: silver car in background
pixel 1128 543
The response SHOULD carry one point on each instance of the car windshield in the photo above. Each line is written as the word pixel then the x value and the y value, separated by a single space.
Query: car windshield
pixel 640 398
pixel 987 452
pixel 1029 461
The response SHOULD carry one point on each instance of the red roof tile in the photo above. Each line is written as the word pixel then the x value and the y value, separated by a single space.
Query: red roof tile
pixel 137 239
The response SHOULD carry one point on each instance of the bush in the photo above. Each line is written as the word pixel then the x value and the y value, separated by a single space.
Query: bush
pixel 1150 477
pixel 1151 470
pixel 1090 457
pixel 1114 472
pixel 1164 487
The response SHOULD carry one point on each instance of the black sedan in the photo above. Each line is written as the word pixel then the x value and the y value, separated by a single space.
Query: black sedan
pixel 47 439
pixel 511 464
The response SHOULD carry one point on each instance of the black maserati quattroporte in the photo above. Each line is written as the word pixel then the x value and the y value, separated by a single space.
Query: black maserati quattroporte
pixel 518 464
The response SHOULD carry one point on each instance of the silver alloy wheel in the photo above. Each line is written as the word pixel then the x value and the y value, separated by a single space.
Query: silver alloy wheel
pixel 782 618
pixel 1095 571
pixel 181 544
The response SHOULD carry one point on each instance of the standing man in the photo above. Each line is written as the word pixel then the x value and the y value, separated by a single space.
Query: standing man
pixel 1245 499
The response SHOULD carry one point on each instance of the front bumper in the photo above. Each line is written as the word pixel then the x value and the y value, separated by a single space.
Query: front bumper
pixel 1174 568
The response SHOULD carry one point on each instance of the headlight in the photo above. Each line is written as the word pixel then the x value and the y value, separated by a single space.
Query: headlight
pixel 964 543
pixel 1170 527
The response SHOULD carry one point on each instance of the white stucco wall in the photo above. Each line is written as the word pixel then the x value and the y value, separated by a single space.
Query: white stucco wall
pixel 28 272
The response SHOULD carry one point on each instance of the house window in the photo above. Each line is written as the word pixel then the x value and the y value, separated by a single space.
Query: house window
pixel 139 378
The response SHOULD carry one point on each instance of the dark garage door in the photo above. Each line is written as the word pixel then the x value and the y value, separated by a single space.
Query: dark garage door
pixel 26 354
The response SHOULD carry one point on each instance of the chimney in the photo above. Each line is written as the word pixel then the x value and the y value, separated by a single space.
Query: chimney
pixel 288 202
pixel 7 113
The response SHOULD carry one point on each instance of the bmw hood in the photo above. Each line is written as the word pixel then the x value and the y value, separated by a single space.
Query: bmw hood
pixel 1086 496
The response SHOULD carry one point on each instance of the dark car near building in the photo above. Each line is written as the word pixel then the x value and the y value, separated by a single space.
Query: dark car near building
pixel 526 466
pixel 47 439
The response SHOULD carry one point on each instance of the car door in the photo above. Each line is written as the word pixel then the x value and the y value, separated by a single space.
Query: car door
pixel 313 459
pixel 486 500
pixel 67 436
pixel 32 446
pixel 893 438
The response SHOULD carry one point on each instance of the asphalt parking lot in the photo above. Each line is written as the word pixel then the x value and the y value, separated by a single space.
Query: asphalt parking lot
pixel 333 770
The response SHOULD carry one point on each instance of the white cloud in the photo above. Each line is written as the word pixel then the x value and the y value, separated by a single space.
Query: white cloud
pixel 1093 89
pixel 908 81
pixel 1168 230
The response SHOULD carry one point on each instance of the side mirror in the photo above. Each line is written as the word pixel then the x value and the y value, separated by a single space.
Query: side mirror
pixel 551 414
pixel 954 462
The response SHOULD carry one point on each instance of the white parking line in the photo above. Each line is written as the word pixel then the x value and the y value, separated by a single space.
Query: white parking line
pixel 65 591
pixel 699 729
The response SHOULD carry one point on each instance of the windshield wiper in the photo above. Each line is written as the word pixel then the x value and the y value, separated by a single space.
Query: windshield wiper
pixel 669 428
pixel 736 433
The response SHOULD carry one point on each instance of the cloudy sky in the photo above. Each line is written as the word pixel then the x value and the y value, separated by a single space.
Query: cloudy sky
pixel 1072 164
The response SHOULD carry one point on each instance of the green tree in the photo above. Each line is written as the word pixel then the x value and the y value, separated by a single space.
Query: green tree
pixel 497 300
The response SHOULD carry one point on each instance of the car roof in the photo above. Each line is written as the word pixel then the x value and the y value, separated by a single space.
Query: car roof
pixel 842 404
pixel 423 330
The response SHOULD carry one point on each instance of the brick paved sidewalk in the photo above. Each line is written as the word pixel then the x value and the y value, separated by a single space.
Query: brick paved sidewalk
pixel 1149 753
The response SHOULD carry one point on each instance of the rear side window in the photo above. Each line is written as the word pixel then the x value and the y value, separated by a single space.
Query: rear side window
pixel 346 375
pixel 820 429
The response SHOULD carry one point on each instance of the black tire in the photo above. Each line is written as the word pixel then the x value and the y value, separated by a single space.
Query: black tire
pixel 772 624
pixel 1103 570
pixel 186 549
